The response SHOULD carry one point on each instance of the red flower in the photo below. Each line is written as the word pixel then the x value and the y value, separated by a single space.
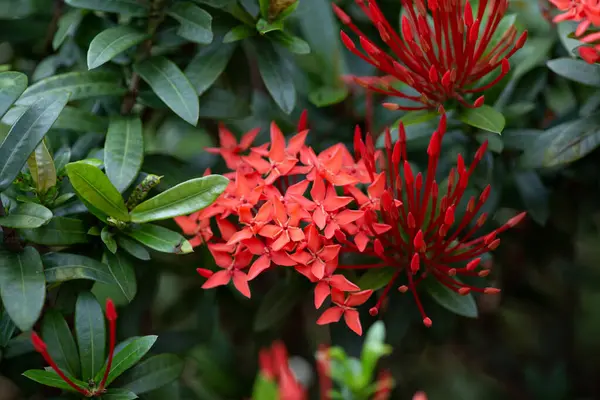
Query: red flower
pixel 587 13
pixel 345 305
pixel 230 149
pixel 442 57
pixel 274 366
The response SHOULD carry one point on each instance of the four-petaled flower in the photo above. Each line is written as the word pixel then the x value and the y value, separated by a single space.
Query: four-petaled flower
pixel 587 13
pixel 345 305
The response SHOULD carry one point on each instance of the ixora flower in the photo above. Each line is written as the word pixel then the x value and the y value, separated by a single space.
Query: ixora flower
pixel 587 13
pixel 443 51
pixel 288 207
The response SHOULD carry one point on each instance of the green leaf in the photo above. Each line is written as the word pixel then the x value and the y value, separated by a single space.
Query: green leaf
pixel 417 117
pixel 81 85
pixel 62 267
pixel 130 7
pixel 277 78
pixel 264 8
pixel 107 238
pixel 26 134
pixel 42 169
pixel 60 342
pixel 576 70
pixel 277 304
pixel 118 394
pixel 12 84
pixel 327 96
pixel 22 286
pixel 90 331
pixel 263 26
pixel 171 86
pixel 127 357
pixel 290 42
pixel 484 117
pixel 447 298
pixel 160 239
pixel 183 199
pixel 93 187
pixel 70 118
pixel 112 42
pixel 195 23
pixel 67 25
pixel 123 151
pixel 7 329
pixel 208 65
pixel 26 215
pixel 133 248
pixel 60 231
pixel 376 278
pixel 265 389
pixel 51 378
pixel 123 275
pixel 534 195
pixel 153 373
pixel 238 33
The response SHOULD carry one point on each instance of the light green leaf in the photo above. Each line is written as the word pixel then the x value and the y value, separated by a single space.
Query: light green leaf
pixel 160 239
pixel 26 215
pixel 152 373
pixel 127 357
pixel 183 199
pixel 484 117
pixel 277 78
pixel 60 342
pixel 81 85
pixel 62 267
pixel 327 96
pixel 447 298
pixel 60 231
pixel 576 70
pixel 51 378
pixel 208 65
pixel 238 33
pixel 123 275
pixel 111 42
pixel 12 84
pixel 130 7
pixel 26 134
pixel 22 286
pixel 90 331
pixel 67 25
pixel 265 389
pixel 93 187
pixel 123 151
pixel 171 86
pixel 108 239
pixel 133 248
pixel 195 22
pixel 42 169
pixel 119 394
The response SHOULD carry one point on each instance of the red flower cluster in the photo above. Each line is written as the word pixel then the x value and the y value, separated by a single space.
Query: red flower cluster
pixel 442 55
pixel 288 207
pixel 587 13
pixel 274 366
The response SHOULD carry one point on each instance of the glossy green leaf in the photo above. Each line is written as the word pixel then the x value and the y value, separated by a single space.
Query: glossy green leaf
pixel 123 274
pixel 240 32
pixel 26 215
pixel 133 248
pixel 119 394
pixel 50 378
pixel 484 117
pixel 290 42
pixel 277 78
pixel 171 86
pixel 112 42
pixel 129 7
pixel 127 357
pixel 60 342
pixel 70 118
pixel 534 194
pixel 123 151
pixel 327 96
pixel 62 267
pixel 152 373
pixel 108 239
pixel 22 286
pixel 7 328
pixel 206 67
pixel 60 231
pixel 90 331
pixel 12 84
pixel 461 305
pixel 183 199
pixel 277 304
pixel 576 70
pixel 376 278
pixel 195 23
pixel 93 187
pixel 160 239
pixel 67 25
pixel 80 85
pixel 26 134
pixel 42 169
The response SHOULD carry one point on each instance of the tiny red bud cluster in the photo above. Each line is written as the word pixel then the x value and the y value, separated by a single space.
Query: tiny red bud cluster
pixel 587 13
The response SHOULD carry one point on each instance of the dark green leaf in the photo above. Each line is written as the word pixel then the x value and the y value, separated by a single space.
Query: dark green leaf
pixel 80 85
pixel 153 373
pixel 27 215
pixel 219 103
pixel 534 195
pixel 127 357
pixel 60 231
pixel 171 86
pixel 111 42
pixel 62 267
pixel 90 333
pixel 119 394
pixel 183 199
pixel 195 22
pixel 7 329
pixel 264 8
pixel 93 187
pixel 240 32
pixel 576 70
pixel 160 239
pixel 67 25
pixel 377 278
pixel 70 118
pixel 123 275
pixel 108 239
pixel 130 7
pixel 275 75
pixel 133 248
pixel 50 378
pixel 12 84
pixel 26 134
pixel 60 342
pixel 22 286
pixel 42 169
pixel 484 117
pixel 208 65
pixel 461 305
pixel 123 151
pixel 290 42
pixel 277 304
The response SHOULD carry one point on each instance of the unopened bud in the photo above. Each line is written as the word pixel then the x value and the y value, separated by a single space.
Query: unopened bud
pixel 281 8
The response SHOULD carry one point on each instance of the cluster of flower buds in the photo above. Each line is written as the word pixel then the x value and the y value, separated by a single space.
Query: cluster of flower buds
pixel 587 13
pixel 288 207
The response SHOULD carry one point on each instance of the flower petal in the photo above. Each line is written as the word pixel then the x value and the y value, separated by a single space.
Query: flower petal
pixel 330 315
pixel 340 282
pixel 321 292
pixel 358 298
pixel 240 281
pixel 219 278
pixel 353 321
pixel 262 263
